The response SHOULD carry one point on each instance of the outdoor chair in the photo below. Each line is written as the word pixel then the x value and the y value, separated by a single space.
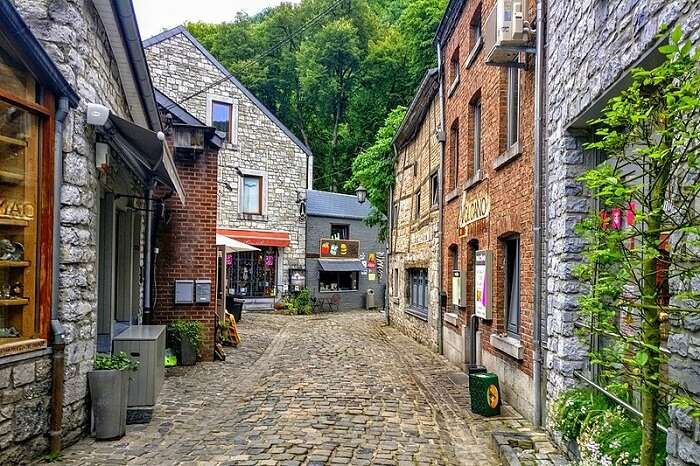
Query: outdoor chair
pixel 334 302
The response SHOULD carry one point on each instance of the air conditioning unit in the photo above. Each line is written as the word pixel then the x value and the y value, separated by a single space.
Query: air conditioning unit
pixel 505 31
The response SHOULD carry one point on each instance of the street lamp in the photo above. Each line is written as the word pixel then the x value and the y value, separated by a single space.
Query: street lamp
pixel 361 194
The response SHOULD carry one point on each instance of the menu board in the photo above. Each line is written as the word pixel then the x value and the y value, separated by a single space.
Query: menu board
pixel 339 249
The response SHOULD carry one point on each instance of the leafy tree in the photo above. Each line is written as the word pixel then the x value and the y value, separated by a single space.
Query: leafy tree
pixel 374 170
pixel 650 135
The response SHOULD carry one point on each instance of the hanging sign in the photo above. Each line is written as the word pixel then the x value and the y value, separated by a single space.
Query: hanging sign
pixel 483 296
pixel 339 249
pixel 473 208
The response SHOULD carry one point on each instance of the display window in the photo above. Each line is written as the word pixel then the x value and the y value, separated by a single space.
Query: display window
pixel 337 281
pixel 253 274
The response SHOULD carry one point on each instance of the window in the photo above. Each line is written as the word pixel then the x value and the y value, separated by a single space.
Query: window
pixel 434 190
pixel 476 135
pixel 512 284
pixel 337 281
pixel 513 102
pixel 454 257
pixel 251 194
pixel 454 69
pixel 417 212
pixel 475 29
pixel 418 291
pixel 395 215
pixel 222 117
pixel 395 283
pixel 454 150
pixel 253 274
pixel 340 231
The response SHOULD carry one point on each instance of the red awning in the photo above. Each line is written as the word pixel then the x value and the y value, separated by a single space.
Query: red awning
pixel 278 239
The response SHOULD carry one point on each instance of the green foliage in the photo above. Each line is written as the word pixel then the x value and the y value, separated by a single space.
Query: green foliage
pixel 334 84
pixel 300 303
pixel 192 330
pixel 650 139
pixel 574 408
pixel 120 362
pixel 53 457
pixel 374 170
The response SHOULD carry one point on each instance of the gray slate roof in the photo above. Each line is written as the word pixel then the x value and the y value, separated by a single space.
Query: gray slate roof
pixel 326 204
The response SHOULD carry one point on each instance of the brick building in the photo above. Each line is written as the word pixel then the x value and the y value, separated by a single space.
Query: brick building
pixel 263 169
pixel 186 236
pixel 488 200
pixel 414 245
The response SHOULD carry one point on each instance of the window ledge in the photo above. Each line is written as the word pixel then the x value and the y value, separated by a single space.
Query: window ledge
pixel 474 53
pixel 453 87
pixel 474 180
pixel 24 356
pixel 511 346
pixel 258 217
pixel 512 153
pixel 452 195
pixel 450 318
pixel 421 314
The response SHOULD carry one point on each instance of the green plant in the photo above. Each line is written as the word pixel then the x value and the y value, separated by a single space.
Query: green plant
pixel 53 457
pixel 649 137
pixel 192 330
pixel 300 304
pixel 613 438
pixel 574 408
pixel 120 362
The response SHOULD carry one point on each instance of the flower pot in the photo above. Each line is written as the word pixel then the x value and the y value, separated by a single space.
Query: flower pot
pixel 188 352
pixel 109 390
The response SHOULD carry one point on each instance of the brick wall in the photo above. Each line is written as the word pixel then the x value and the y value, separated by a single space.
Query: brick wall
pixel 507 184
pixel 187 246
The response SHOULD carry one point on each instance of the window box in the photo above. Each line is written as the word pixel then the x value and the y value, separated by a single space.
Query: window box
pixel 510 345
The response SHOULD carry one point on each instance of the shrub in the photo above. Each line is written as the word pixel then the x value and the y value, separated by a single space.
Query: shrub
pixel 574 407
pixel 193 330
pixel 300 304
pixel 120 362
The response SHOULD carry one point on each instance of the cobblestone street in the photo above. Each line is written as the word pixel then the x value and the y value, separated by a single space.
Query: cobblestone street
pixel 329 389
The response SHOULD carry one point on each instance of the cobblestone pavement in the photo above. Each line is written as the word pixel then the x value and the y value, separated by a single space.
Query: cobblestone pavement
pixel 331 389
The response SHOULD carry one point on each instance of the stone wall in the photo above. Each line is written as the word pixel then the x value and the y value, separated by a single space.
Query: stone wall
pixel 415 239
pixel 320 227
pixel 591 45
pixel 179 70
pixel 73 35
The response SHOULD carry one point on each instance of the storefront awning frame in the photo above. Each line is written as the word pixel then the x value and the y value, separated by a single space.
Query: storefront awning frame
pixel 341 265
pixel 273 238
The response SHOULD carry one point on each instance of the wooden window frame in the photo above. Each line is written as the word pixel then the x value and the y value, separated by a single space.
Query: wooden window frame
pixel 260 194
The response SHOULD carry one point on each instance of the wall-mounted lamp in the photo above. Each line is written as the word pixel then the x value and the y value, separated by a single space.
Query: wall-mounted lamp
pixel 227 185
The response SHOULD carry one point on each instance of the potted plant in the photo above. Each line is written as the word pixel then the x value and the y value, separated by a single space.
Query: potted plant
pixel 109 391
pixel 189 335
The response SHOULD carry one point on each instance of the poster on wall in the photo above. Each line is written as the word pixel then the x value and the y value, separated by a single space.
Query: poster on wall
pixel 483 297
pixel 339 249
pixel 371 266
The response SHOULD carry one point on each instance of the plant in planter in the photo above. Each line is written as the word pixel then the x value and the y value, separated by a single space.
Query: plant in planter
pixel 300 304
pixel 109 391
pixel 190 336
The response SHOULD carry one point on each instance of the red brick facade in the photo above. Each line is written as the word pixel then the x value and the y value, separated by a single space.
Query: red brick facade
pixel 187 246
pixel 507 184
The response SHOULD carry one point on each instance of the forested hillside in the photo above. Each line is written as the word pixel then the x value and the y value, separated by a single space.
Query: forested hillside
pixel 332 70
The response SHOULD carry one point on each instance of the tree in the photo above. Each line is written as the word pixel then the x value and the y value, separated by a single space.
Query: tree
pixel 650 135
pixel 374 170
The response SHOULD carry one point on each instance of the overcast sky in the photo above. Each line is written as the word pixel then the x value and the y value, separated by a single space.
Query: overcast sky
pixel 155 16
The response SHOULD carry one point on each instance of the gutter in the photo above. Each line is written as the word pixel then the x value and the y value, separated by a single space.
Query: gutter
pixel 441 96
pixel 58 343
pixel 538 220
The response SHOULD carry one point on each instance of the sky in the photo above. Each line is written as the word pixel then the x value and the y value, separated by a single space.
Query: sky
pixel 155 16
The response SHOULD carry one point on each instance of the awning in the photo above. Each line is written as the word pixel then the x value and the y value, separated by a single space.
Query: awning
pixel 233 245
pixel 341 265
pixel 279 239
pixel 145 154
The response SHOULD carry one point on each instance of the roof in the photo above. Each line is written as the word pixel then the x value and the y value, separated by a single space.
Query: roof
pixel 182 30
pixel 449 20
pixel 327 204
pixel 22 43
pixel 418 109
pixel 187 119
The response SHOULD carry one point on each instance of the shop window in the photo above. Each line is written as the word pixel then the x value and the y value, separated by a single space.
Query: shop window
pixel 454 150
pixel 476 135
pixel 511 248
pixel 434 190
pixel 513 103
pixel 418 291
pixel 337 281
pixel 222 117
pixel 251 194
pixel 340 231
pixel 254 274
pixel 22 239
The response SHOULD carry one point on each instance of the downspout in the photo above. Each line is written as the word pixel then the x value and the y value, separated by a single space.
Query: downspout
pixel 148 256
pixel 538 201
pixel 58 343
pixel 440 200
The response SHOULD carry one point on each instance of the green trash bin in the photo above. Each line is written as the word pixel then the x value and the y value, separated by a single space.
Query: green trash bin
pixel 485 394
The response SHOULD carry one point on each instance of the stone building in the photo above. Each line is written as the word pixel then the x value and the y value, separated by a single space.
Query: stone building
pixel 81 188
pixel 414 245
pixel 263 170
pixel 487 235
pixel 344 257
pixel 592 48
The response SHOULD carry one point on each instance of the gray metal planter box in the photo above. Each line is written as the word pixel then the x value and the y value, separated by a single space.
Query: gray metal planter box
pixel 109 391
pixel 145 344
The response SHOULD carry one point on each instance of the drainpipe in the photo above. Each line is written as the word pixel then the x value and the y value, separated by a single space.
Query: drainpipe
pixel 538 201
pixel 58 344
pixel 440 200
pixel 148 256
